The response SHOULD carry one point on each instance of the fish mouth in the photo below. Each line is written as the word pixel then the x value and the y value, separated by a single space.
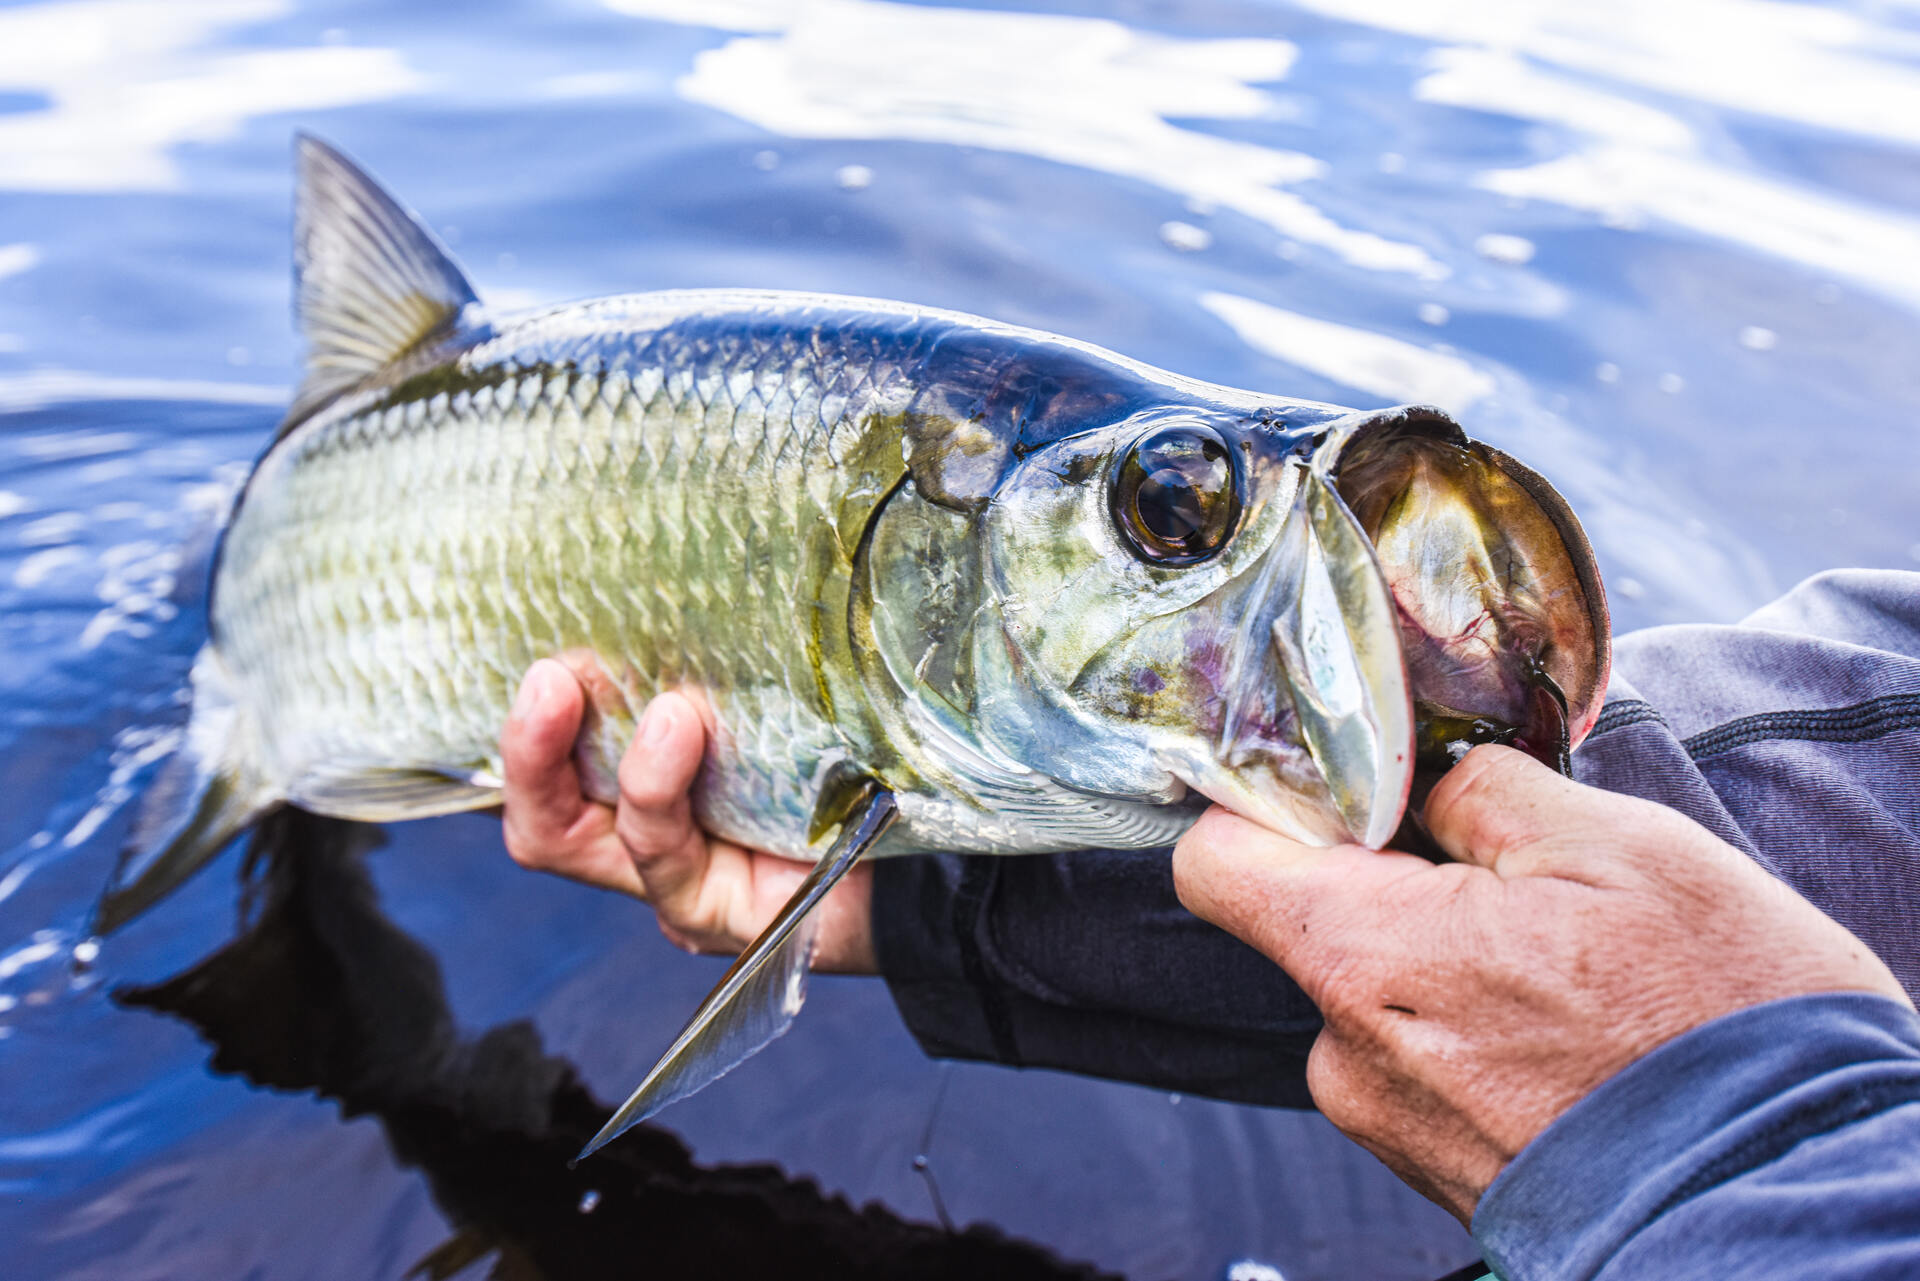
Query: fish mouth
pixel 1501 615
pixel 1424 593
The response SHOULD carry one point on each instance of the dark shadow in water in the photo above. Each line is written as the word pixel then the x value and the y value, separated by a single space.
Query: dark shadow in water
pixel 322 993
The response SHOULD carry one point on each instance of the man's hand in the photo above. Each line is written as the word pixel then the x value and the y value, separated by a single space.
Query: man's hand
pixel 1468 1005
pixel 709 895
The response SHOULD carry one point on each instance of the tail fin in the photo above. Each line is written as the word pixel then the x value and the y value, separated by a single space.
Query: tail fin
pixel 204 796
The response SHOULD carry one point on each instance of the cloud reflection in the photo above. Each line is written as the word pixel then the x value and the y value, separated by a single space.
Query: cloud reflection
pixel 125 80
pixel 1081 91
pixel 1632 76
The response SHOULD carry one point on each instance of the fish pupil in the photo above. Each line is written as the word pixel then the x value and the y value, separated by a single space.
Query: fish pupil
pixel 1176 496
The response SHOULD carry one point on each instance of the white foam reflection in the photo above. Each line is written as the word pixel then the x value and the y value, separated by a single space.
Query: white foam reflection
pixel 1813 66
pixel 1366 361
pixel 1700 576
pixel 125 80
pixel 18 257
pixel 1630 75
pixel 1877 249
pixel 1081 91
pixel 1497 80
pixel 44 387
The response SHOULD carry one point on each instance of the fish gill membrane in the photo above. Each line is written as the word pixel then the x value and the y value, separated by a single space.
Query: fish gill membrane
pixel 944 585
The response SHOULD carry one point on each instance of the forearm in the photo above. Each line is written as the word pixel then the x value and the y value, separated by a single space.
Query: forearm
pixel 1086 962
pixel 1776 1142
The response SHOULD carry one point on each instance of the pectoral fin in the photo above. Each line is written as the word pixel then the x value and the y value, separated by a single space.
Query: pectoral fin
pixel 763 990
pixel 1339 646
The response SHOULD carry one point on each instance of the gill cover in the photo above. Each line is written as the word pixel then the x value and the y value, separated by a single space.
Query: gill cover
pixel 1142 649
pixel 1501 612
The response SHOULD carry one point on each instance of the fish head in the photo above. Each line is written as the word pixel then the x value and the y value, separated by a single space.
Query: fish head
pixel 1303 626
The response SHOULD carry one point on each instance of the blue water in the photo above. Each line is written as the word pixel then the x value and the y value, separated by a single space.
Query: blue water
pixel 1668 253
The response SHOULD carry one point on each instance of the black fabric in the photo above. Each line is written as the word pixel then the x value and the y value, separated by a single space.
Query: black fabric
pixel 1859 723
pixel 1086 962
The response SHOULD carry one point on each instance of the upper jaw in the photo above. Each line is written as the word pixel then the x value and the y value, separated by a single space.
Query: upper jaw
pixel 1316 736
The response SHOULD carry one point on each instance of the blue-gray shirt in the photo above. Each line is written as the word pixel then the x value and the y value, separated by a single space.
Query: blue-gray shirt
pixel 1780 1141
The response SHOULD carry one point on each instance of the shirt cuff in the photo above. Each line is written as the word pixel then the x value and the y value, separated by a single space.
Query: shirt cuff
pixel 1696 1113
pixel 926 912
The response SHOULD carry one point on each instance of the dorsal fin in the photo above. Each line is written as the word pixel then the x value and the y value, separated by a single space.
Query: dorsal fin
pixel 369 280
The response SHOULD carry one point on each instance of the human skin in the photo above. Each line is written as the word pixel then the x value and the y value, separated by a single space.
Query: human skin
pixel 709 895
pixel 1467 1004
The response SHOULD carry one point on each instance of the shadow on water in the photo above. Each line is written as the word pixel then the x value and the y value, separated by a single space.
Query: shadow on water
pixel 321 993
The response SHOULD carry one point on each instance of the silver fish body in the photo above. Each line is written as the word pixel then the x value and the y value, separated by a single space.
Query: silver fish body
pixel 671 490
pixel 940 584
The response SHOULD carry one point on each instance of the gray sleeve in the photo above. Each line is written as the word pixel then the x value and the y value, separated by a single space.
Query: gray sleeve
pixel 1794 735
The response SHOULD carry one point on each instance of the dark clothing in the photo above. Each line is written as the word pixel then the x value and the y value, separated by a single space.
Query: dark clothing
pixel 1087 962
pixel 1794 735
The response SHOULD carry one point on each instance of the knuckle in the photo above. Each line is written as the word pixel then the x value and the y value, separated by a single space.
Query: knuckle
pixel 522 851
pixel 641 783
pixel 632 837
pixel 1495 803
pixel 1330 1082
pixel 1470 786
pixel 1342 995
pixel 646 835
pixel 1196 873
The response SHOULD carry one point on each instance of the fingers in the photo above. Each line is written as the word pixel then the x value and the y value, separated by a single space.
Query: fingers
pixel 709 895
pixel 658 768
pixel 1304 906
pixel 669 851
pixel 655 774
pixel 542 783
pixel 548 824
pixel 1226 868
pixel 1498 807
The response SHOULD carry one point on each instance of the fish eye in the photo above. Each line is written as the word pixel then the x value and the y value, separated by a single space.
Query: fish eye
pixel 1176 495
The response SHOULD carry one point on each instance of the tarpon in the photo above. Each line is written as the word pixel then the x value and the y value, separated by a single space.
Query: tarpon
pixel 943 584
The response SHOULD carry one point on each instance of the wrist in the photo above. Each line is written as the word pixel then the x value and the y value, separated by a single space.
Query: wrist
pixel 845 942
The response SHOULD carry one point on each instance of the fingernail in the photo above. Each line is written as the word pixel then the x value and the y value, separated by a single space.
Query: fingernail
pixel 528 699
pixel 654 723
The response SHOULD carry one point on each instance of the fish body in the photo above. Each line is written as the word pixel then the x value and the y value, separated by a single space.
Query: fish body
pixel 939 583
pixel 674 491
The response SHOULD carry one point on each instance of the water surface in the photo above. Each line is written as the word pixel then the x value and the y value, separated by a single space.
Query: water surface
pixel 1667 253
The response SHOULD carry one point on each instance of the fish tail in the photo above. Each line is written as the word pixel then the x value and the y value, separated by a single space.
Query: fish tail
pixel 204 795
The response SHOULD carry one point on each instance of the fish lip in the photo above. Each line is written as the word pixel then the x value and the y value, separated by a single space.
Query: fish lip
pixel 1309 819
pixel 1320 640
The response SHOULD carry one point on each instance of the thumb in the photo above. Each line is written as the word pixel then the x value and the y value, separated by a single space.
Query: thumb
pixel 1503 810
pixel 1303 906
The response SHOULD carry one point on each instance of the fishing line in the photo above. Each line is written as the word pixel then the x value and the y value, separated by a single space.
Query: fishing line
pixel 922 1163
